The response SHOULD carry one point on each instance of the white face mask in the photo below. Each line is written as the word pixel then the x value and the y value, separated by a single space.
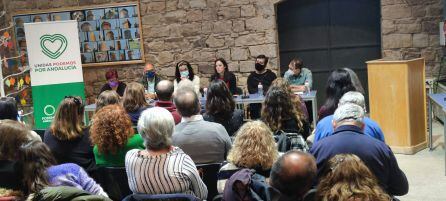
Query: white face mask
pixel 184 74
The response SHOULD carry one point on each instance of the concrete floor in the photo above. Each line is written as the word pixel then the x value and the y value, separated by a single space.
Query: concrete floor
pixel 425 171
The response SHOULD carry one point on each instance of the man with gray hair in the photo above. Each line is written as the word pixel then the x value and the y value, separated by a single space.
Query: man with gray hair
pixel 348 138
pixel 371 128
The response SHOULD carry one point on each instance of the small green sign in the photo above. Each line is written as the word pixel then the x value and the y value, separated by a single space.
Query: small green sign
pixel 53 45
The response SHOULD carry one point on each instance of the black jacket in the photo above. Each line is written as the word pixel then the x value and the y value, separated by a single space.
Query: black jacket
pixel 266 79
pixel 230 81
pixel 120 90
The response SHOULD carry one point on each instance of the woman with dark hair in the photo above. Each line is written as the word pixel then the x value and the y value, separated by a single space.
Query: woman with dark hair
pixel 9 110
pixel 220 107
pixel 40 170
pixel 112 135
pixel 338 84
pixel 281 114
pixel 12 135
pixel 222 73
pixel 348 178
pixel 134 101
pixel 113 83
pixel 184 70
pixel 67 138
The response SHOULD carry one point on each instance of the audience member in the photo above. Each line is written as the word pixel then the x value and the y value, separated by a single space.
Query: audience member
pixel 324 127
pixel 348 138
pixel 338 83
pixel 262 76
pixel 293 175
pixel 220 107
pixel 113 83
pixel 203 141
pixel 172 169
pixel 347 178
pixel 9 110
pixel 40 170
pixel 149 80
pixel 254 148
pixel 12 135
pixel 184 71
pixel 67 138
pixel 222 73
pixel 112 135
pixel 164 91
pixel 355 80
pixel 297 75
pixel 280 114
pixel 296 99
pixel 107 98
pixel 134 102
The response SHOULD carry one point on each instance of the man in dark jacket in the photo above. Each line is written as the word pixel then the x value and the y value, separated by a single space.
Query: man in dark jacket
pixel 164 91
pixel 348 138
pixel 149 80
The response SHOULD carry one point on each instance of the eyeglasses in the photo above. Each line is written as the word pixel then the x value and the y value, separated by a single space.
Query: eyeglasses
pixel 77 100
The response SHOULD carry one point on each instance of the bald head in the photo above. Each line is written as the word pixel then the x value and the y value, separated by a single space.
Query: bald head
pixel 187 103
pixel 164 90
pixel 148 67
pixel 293 173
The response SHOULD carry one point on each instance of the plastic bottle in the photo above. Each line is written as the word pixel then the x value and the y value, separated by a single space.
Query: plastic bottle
pixel 260 89
pixel 307 86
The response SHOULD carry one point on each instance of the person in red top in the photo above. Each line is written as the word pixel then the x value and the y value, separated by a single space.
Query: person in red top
pixel 222 73
pixel 164 90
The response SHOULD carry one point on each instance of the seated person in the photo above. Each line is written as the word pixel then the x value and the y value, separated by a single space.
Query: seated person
pixel 254 148
pixel 203 141
pixel 222 73
pixel 324 127
pixel 134 101
pixel 183 70
pixel 40 170
pixel 296 99
pixel 12 135
pixel 297 75
pixel 172 169
pixel 67 138
pixel 150 80
pixel 220 107
pixel 280 114
pixel 293 175
pixel 113 83
pixel 348 178
pixel 107 98
pixel 164 91
pixel 112 135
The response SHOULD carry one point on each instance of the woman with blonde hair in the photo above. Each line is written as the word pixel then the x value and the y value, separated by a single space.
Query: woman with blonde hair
pixel 348 178
pixel 112 135
pixel 67 137
pixel 280 113
pixel 254 148
pixel 134 101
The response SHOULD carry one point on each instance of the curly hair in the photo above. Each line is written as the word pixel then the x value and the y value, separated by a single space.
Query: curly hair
pixel 297 101
pixel 219 101
pixel 111 129
pixel 278 107
pixel 348 178
pixel 254 147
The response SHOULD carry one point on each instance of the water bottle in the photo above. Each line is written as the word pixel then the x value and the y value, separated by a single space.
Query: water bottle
pixel 260 89
pixel 307 86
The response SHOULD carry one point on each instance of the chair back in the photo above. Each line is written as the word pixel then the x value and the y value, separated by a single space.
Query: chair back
pixel 310 195
pixel 160 197
pixel 208 173
pixel 114 181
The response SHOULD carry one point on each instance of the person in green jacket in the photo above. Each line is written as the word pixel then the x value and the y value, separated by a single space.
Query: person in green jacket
pixel 113 135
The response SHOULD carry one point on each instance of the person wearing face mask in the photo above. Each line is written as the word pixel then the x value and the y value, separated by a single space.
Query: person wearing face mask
pixel 113 83
pixel 183 71
pixel 263 76
pixel 149 80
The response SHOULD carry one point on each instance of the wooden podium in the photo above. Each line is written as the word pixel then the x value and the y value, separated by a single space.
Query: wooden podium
pixel 397 99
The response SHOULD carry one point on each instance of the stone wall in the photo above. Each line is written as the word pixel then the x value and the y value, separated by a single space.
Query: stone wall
pixel 410 29
pixel 238 30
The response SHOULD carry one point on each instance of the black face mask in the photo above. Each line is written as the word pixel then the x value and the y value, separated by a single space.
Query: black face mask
pixel 260 67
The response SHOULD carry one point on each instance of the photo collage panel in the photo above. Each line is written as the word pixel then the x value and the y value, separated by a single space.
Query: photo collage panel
pixel 105 34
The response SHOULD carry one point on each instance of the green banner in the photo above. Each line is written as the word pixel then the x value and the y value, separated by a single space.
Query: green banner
pixel 47 97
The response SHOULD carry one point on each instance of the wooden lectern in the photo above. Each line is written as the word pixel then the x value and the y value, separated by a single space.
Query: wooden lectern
pixel 397 99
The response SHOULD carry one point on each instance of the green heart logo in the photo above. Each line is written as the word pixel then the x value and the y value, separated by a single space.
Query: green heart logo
pixel 53 45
